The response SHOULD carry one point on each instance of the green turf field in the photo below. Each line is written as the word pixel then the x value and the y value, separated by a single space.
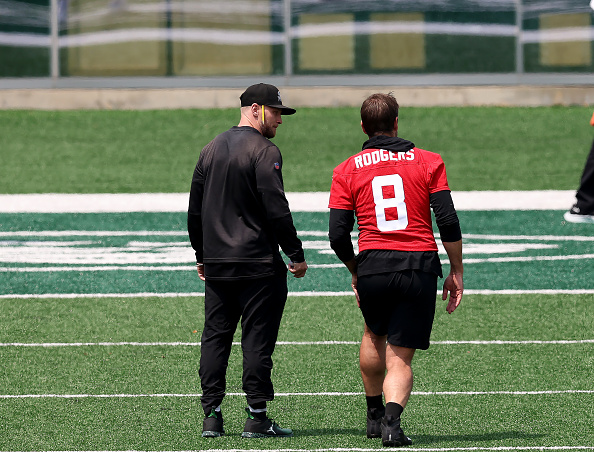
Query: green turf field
pixel 155 151
pixel 101 313
pixel 115 370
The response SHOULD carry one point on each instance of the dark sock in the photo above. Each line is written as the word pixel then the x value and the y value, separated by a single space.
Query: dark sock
pixel 374 402
pixel 394 409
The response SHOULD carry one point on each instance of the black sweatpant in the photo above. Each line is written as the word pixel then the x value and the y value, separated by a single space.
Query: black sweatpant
pixel 585 194
pixel 259 303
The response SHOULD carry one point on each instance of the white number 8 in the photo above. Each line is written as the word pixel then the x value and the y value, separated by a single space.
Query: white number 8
pixel 381 203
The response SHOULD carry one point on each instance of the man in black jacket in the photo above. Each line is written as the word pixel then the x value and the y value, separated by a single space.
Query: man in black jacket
pixel 237 218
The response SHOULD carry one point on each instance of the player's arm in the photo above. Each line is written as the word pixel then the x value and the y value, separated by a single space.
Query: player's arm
pixel 340 228
pixel 289 242
pixel 195 220
pixel 454 282
pixel 269 181
pixel 451 237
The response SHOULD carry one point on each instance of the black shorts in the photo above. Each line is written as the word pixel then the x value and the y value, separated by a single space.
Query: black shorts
pixel 400 305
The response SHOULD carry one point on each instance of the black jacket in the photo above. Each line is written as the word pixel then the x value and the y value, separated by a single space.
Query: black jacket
pixel 238 213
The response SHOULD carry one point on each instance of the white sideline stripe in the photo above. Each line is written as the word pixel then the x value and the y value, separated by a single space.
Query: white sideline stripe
pixel 292 394
pixel 525 258
pixel 103 268
pixel 299 202
pixel 169 268
pixel 79 233
pixel 100 268
pixel 295 343
pixel 546 238
pixel 291 294
pixel 527 292
pixel 92 233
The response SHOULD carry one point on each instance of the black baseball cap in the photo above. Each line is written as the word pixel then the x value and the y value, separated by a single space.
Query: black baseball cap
pixel 264 94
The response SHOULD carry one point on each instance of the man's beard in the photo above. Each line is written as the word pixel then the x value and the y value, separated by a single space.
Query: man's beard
pixel 268 131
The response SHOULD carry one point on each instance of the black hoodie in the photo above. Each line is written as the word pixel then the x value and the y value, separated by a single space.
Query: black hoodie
pixel 238 214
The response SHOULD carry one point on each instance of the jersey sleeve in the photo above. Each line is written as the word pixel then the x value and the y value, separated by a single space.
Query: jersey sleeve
pixel 269 181
pixel 438 180
pixel 340 193
pixel 195 211
pixel 340 227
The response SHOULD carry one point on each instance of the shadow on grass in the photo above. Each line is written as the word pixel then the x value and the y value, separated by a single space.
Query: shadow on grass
pixel 329 432
pixel 425 439
pixel 492 436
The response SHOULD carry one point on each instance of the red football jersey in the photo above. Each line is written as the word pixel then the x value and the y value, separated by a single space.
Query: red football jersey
pixel 389 192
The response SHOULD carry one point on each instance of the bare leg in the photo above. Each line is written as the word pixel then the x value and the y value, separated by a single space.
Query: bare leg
pixel 398 382
pixel 372 362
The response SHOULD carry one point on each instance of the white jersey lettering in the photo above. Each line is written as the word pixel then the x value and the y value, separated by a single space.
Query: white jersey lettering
pixel 382 155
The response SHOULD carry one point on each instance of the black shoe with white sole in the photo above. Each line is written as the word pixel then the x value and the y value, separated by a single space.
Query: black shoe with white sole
pixel 392 434
pixel 260 426
pixel 212 425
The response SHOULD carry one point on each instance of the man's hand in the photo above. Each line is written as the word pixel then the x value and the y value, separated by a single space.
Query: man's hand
pixel 454 283
pixel 298 269
pixel 200 268
pixel 455 286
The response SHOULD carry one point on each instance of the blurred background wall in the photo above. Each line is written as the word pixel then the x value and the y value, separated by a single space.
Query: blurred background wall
pixel 217 44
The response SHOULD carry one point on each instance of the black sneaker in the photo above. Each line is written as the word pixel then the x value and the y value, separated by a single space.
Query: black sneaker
pixel 392 434
pixel 259 426
pixel 212 425
pixel 374 422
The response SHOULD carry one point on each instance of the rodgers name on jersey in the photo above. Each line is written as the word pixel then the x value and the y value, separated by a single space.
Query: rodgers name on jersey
pixel 382 155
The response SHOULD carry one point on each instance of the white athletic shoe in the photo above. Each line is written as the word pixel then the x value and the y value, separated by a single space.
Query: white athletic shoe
pixel 573 217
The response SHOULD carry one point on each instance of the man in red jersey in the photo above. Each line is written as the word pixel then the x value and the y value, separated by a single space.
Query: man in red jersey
pixel 391 187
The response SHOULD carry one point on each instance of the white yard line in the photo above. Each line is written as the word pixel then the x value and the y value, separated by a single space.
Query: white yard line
pixel 523 259
pixel 291 294
pixel 299 202
pixel 281 343
pixel 292 394
pixel 100 268
pixel 169 268
pixel 324 234
pixel 93 233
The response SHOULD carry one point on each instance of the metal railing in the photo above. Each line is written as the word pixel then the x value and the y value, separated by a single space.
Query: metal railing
pixel 505 27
